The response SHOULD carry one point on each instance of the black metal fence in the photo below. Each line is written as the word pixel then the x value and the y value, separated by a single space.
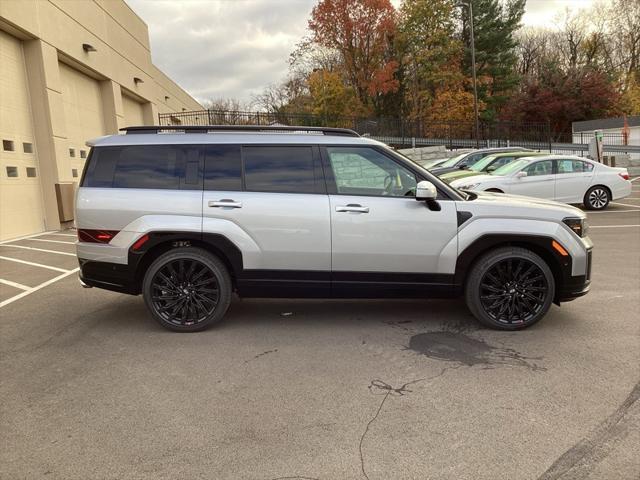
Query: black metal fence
pixel 401 132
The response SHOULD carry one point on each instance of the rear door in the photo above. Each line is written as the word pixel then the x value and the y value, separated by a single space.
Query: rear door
pixel 539 182
pixel 572 180
pixel 272 202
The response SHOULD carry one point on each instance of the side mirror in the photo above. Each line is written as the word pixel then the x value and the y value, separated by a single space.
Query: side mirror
pixel 491 168
pixel 521 174
pixel 426 191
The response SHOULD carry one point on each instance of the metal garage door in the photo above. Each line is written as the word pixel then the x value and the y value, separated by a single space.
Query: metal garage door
pixel 21 208
pixel 132 111
pixel 84 118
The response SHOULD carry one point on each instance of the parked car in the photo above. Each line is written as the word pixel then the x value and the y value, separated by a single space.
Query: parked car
pixel 562 178
pixel 186 216
pixel 465 161
pixel 433 162
pixel 488 164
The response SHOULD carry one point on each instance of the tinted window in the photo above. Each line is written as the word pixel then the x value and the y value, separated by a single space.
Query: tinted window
pixel 539 168
pixel 278 169
pixel 365 171
pixel 573 166
pixel 223 169
pixel 145 166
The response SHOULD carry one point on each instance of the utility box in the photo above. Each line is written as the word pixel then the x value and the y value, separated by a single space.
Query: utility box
pixel 65 194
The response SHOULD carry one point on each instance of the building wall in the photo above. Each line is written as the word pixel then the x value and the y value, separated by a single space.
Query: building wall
pixel 56 96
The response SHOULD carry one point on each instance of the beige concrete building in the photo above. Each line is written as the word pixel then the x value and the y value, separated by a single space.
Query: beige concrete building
pixel 70 70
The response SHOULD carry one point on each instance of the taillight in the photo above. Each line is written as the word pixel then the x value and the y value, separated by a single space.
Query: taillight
pixel 96 236
pixel 625 175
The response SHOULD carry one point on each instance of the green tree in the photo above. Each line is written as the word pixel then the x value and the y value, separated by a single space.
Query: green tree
pixel 495 24
pixel 429 54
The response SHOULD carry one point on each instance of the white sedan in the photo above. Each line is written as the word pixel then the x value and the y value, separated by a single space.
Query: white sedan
pixel 562 178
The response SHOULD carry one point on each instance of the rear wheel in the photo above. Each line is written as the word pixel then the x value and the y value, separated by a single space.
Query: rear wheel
pixel 597 198
pixel 510 288
pixel 187 289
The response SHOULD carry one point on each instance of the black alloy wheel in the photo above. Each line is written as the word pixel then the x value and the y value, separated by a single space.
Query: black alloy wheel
pixel 509 288
pixel 187 289
pixel 513 291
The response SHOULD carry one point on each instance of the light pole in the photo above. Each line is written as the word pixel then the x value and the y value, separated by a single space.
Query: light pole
pixel 473 69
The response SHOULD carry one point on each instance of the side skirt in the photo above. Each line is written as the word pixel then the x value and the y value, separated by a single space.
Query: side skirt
pixel 307 284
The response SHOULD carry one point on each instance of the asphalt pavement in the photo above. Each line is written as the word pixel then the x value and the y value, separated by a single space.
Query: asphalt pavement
pixel 92 388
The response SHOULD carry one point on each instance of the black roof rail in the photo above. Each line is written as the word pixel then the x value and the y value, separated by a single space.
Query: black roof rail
pixel 238 128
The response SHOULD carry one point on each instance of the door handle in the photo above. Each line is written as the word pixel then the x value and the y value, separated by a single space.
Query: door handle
pixel 352 207
pixel 225 202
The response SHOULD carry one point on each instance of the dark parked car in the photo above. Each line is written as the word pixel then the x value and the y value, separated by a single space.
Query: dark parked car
pixel 465 161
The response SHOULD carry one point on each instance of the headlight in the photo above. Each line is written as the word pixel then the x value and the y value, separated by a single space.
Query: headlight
pixel 578 225
pixel 469 186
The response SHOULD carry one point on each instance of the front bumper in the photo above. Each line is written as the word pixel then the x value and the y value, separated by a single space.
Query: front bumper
pixel 576 286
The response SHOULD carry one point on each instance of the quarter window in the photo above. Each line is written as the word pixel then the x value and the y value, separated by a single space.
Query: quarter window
pixel 365 171
pixel 223 168
pixel 286 169
pixel 147 166
pixel 544 167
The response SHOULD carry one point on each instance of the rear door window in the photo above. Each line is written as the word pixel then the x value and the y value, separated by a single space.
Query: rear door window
pixel 284 169
pixel 223 168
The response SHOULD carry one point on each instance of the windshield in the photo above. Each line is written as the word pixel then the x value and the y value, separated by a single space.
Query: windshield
pixel 452 161
pixel 510 167
pixel 482 164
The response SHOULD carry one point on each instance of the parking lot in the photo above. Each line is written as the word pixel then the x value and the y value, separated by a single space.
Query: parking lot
pixel 92 388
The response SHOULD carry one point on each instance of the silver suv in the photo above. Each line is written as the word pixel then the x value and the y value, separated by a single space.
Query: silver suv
pixel 186 216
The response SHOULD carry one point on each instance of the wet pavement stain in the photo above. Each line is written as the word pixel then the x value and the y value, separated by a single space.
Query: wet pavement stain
pixel 451 346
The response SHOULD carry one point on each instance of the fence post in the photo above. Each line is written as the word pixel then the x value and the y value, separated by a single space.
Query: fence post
pixel 549 134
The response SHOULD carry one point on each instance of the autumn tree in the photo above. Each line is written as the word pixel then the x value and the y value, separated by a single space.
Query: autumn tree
pixel 361 32
pixel 561 98
pixel 428 52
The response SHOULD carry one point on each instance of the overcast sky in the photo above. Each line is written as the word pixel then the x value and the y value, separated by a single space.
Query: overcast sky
pixel 234 48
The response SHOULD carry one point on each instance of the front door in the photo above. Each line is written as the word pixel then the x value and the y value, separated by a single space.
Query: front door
pixel 382 238
pixel 539 182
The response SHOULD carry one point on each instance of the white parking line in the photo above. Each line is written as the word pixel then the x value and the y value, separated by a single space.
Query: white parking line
pixel 40 249
pixel 625 204
pixel 14 284
pixel 615 211
pixel 45 240
pixel 612 226
pixel 39 287
pixel 33 264
pixel 25 237
pixel 60 235
pixel 634 179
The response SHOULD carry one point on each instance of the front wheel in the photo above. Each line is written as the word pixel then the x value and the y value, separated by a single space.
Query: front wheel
pixel 510 288
pixel 597 198
pixel 187 289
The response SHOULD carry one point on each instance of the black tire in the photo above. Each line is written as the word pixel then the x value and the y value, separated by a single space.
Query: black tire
pixel 187 289
pixel 494 190
pixel 509 288
pixel 597 198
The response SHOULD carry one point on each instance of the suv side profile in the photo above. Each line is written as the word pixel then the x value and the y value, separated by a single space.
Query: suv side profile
pixel 186 216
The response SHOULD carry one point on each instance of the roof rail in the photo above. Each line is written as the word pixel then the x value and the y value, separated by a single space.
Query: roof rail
pixel 238 128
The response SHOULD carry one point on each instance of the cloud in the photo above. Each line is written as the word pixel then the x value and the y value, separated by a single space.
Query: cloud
pixel 224 48
pixel 234 48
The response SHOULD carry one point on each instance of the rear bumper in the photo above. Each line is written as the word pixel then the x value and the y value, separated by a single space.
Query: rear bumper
pixel 109 276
